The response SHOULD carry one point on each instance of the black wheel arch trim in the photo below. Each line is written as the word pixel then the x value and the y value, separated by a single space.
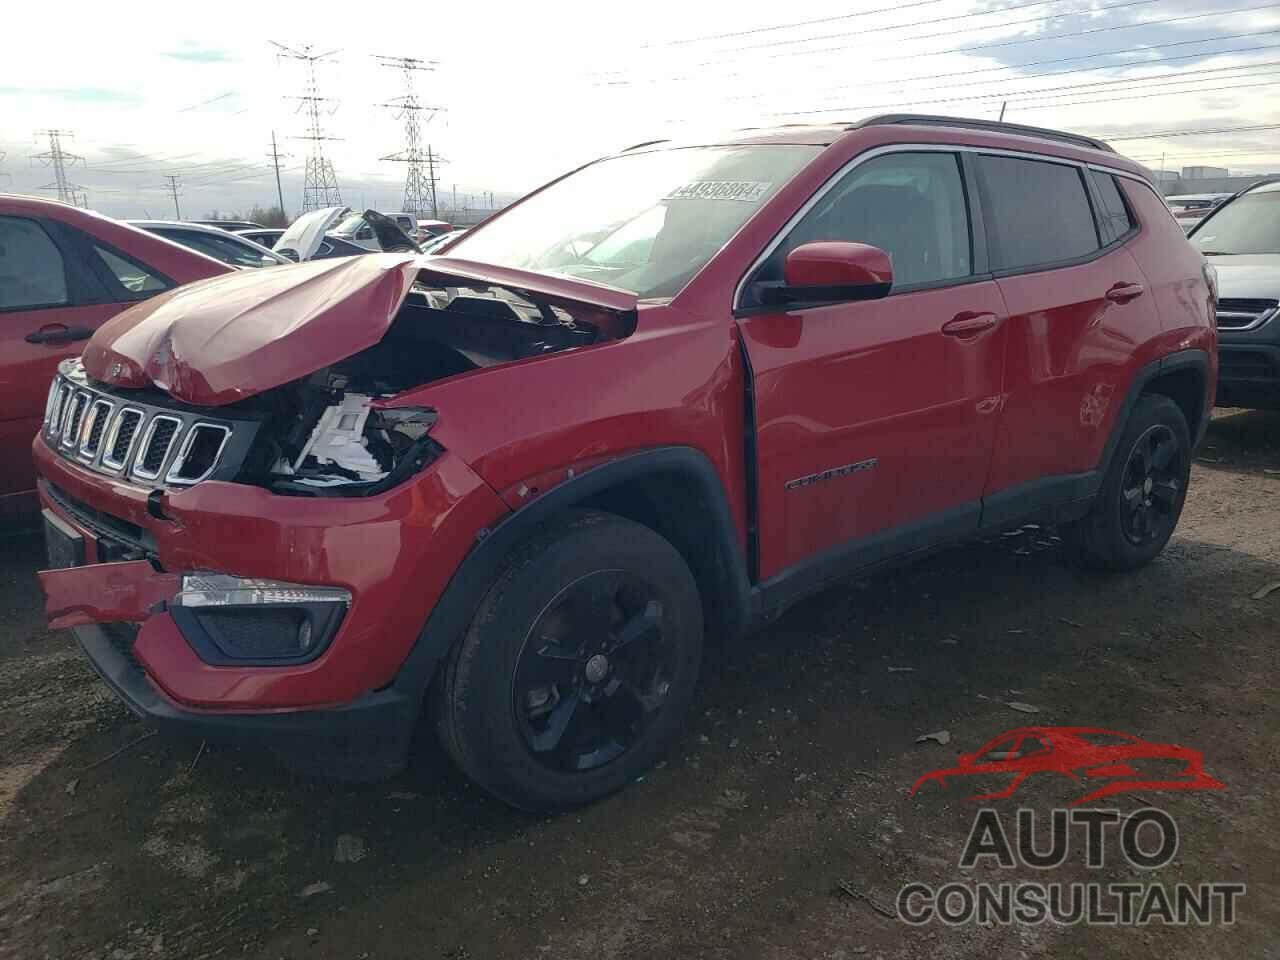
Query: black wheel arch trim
pixel 453 613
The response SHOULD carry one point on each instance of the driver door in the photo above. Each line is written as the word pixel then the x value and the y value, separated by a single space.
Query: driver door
pixel 875 420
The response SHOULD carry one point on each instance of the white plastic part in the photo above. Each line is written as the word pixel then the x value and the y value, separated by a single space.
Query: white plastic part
pixel 338 438
pixel 223 590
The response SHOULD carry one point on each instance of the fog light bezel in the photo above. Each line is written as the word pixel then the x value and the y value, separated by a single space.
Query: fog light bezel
pixel 206 597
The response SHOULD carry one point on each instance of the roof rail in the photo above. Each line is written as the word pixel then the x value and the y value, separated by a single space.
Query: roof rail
pixel 922 119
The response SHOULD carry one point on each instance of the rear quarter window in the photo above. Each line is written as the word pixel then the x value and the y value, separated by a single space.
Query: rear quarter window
pixel 1038 212
pixel 1116 216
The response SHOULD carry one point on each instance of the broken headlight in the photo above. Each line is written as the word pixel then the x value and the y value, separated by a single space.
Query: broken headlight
pixel 358 448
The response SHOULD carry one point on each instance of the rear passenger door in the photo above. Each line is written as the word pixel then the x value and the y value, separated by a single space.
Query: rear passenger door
pixel 875 420
pixel 1079 313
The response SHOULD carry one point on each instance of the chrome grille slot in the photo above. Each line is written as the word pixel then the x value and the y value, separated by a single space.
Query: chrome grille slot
pixel 59 409
pixel 154 450
pixel 71 423
pixel 50 402
pixel 126 433
pixel 1244 314
pixel 199 453
pixel 124 430
pixel 94 425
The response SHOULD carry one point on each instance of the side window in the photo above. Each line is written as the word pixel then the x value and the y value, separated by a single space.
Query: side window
pixel 138 282
pixel 910 205
pixel 1038 212
pixel 32 271
pixel 1115 212
pixel 212 245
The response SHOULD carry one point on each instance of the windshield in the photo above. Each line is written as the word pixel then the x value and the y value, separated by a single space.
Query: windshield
pixel 1248 224
pixel 643 222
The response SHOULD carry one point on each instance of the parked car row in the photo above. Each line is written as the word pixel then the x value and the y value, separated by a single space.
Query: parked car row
pixel 1189 209
pixel 664 397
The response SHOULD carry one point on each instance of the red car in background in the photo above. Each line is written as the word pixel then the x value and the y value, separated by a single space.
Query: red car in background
pixel 63 271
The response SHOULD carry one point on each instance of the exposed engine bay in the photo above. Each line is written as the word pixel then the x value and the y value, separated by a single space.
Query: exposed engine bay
pixel 333 434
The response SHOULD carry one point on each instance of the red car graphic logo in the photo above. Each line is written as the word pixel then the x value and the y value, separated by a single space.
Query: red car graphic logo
pixel 1127 763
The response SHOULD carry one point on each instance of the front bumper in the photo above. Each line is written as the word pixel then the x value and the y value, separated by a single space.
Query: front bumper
pixel 394 553
pixel 365 739
pixel 1249 369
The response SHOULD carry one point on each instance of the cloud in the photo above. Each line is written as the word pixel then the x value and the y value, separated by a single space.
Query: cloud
pixel 201 55
pixel 82 94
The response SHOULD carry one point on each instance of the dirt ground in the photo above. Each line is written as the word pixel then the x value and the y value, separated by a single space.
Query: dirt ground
pixel 791 779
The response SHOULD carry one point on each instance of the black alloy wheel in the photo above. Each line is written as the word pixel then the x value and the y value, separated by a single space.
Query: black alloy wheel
pixel 594 671
pixel 579 666
pixel 1151 490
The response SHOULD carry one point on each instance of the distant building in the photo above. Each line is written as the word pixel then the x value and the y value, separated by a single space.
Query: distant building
pixel 1161 176
pixel 1204 173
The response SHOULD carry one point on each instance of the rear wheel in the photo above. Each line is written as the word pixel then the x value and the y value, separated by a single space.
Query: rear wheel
pixel 579 666
pixel 1143 492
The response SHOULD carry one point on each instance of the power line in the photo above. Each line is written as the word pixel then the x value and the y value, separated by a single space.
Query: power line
pixel 959 16
pixel 1039 39
pixel 1016 95
pixel 788 26
pixel 420 174
pixel 695 74
pixel 320 184
pixel 1191 133
pixel 1149 96
pixel 1145 62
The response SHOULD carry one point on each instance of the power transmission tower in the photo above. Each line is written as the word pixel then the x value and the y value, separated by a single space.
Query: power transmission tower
pixel 173 192
pixel 60 159
pixel 275 156
pixel 420 177
pixel 320 184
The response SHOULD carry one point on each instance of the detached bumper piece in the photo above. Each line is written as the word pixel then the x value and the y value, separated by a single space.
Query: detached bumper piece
pixel 367 739
pixel 226 620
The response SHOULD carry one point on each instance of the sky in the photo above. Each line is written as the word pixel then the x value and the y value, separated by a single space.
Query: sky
pixel 528 91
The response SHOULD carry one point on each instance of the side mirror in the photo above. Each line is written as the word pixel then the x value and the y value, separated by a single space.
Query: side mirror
pixel 833 271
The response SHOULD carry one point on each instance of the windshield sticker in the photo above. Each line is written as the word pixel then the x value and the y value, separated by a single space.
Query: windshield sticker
pixel 748 191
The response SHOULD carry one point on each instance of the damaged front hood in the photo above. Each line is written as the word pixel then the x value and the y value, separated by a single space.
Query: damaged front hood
pixel 221 340
pixel 218 341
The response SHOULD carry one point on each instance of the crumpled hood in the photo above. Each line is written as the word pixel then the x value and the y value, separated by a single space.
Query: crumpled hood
pixel 221 340
pixel 1248 276
pixel 217 341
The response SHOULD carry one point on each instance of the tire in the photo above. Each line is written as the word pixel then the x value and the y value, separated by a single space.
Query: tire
pixel 1111 537
pixel 559 716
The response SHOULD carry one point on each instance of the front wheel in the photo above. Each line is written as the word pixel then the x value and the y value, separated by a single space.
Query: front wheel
pixel 579 666
pixel 1143 492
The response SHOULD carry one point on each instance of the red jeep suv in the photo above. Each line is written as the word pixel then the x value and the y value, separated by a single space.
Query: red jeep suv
pixel 660 399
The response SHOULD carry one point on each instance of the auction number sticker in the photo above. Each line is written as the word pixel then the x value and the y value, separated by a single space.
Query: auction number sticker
pixel 748 191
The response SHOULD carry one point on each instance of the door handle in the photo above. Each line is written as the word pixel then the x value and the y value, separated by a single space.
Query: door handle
pixel 1124 292
pixel 59 335
pixel 969 324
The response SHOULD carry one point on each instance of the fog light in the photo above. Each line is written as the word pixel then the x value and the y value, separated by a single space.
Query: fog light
pixel 224 590
pixel 304 636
